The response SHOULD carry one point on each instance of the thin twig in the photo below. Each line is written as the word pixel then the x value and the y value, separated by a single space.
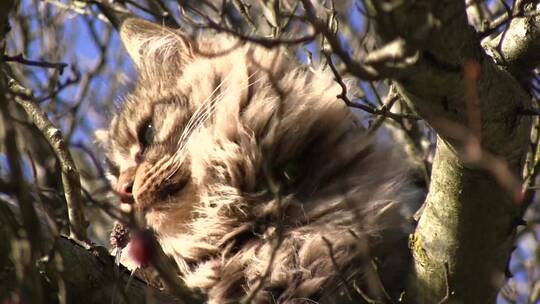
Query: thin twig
pixel 265 42
pixel 505 19
pixel 60 66
pixel 70 176
pixel 61 86
pixel 343 96
pixel 350 291
pixel 243 8
pixel 387 105
pixel 359 70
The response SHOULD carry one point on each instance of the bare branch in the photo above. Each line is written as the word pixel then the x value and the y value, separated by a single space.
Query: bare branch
pixel 266 42
pixel 518 47
pixel 70 175
pixel 44 64
pixel 454 217
pixel 353 67
pixel 384 111
pixel 98 281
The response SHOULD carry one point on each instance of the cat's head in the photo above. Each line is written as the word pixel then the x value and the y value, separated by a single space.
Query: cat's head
pixel 223 141
pixel 213 120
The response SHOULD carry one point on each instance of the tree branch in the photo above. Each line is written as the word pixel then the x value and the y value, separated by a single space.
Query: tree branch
pixel 469 213
pixel 520 46
pixel 44 64
pixel 70 176
pixel 89 273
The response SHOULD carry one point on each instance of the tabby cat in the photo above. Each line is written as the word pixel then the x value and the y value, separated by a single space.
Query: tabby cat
pixel 239 158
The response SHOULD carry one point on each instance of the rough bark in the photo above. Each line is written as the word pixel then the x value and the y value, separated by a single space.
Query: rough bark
pixel 90 277
pixel 464 235
pixel 519 49
pixel 71 272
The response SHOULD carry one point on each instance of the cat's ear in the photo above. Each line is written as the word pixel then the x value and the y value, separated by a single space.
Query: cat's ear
pixel 152 46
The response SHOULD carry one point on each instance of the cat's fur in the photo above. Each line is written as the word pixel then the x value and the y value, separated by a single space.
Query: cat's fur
pixel 278 162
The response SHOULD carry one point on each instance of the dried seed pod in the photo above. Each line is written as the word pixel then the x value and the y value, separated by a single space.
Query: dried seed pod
pixel 119 235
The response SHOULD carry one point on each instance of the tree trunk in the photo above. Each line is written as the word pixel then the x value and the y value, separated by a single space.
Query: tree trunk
pixel 466 231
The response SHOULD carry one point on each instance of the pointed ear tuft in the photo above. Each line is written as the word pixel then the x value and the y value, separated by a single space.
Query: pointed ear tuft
pixel 152 46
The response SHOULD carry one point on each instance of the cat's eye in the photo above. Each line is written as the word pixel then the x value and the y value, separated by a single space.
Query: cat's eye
pixel 146 134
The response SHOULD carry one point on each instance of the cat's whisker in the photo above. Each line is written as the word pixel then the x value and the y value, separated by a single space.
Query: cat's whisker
pixel 204 104
pixel 195 123
pixel 157 164
pixel 155 179
pixel 200 117
pixel 177 156
pixel 149 176
pixel 211 110
pixel 201 121
pixel 209 102
pixel 205 116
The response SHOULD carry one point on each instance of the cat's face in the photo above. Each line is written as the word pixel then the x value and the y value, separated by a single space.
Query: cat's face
pixel 152 136
pixel 205 117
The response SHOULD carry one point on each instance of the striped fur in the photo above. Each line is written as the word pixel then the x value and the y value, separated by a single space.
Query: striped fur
pixel 256 162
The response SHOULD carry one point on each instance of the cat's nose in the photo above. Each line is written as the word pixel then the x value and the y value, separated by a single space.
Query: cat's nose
pixel 125 191
pixel 124 186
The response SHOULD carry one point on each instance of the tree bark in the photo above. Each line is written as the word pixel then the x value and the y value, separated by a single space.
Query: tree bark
pixel 72 272
pixel 90 276
pixel 465 233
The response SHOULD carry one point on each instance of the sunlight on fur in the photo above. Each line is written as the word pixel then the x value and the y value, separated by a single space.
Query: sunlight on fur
pixel 240 158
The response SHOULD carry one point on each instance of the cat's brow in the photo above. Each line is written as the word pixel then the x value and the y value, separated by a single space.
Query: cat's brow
pixel 175 161
pixel 170 100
